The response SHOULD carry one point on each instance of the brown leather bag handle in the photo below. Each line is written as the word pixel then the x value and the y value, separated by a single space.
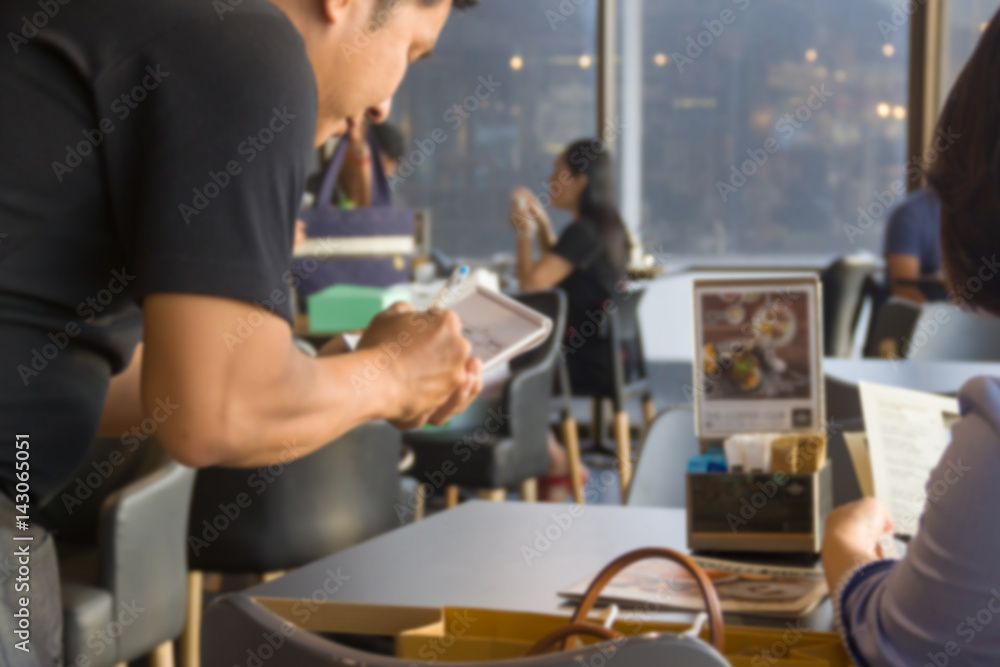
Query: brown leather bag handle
pixel 571 630
pixel 716 624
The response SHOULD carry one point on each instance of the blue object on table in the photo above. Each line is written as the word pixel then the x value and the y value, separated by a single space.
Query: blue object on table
pixel 714 460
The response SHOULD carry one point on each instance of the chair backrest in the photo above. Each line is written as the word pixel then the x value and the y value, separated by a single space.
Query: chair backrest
pixel 626 335
pixel 111 464
pixel 528 394
pixel 843 401
pixel 843 288
pixel 947 333
pixel 892 324
pixel 285 515
pixel 551 303
pixel 627 313
pixel 846 487
pixel 129 503
pixel 669 442
pixel 143 530
pixel 235 623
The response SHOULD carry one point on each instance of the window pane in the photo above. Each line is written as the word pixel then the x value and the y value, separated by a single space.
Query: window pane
pixel 769 123
pixel 965 21
pixel 541 96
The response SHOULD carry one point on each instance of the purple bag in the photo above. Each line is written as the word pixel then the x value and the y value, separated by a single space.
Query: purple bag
pixel 324 219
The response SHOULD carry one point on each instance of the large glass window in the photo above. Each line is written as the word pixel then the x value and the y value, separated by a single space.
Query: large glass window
pixel 964 22
pixel 772 126
pixel 769 126
pixel 509 84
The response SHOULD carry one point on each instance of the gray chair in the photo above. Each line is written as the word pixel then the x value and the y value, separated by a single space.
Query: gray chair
pixel 843 290
pixel 628 380
pixel 843 401
pixel 509 450
pixel 241 627
pixel 122 556
pixel 947 333
pixel 846 487
pixel 276 518
pixel 892 325
pixel 660 474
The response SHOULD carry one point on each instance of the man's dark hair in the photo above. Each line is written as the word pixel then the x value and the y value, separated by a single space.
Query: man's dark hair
pixel 390 141
pixel 966 173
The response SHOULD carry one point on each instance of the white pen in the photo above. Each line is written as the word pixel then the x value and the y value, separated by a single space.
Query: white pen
pixel 458 276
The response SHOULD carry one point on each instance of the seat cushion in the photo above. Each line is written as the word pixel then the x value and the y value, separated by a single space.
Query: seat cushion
pixel 456 457
pixel 89 630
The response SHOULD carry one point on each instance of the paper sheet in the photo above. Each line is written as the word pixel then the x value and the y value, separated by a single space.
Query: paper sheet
pixel 908 432
pixel 857 447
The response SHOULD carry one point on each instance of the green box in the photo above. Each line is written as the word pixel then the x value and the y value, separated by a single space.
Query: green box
pixel 349 307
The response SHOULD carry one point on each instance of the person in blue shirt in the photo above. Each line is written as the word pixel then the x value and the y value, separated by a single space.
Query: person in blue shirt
pixel 940 604
pixel 913 247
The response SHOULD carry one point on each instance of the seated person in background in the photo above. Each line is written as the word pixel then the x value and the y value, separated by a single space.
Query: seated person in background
pixel 588 260
pixel 354 184
pixel 913 247
pixel 934 605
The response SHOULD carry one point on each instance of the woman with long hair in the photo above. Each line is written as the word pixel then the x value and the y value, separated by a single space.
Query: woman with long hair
pixel 587 261
pixel 940 603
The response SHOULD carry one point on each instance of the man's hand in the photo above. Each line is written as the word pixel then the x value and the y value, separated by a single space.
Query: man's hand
pixel 429 375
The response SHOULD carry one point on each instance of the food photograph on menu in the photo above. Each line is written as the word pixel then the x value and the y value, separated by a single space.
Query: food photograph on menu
pixel 757 356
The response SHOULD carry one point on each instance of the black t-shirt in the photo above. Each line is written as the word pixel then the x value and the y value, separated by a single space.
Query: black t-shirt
pixel 594 277
pixel 147 146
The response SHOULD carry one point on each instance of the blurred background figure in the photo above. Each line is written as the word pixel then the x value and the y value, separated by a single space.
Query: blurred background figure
pixel 354 184
pixel 913 248
pixel 588 261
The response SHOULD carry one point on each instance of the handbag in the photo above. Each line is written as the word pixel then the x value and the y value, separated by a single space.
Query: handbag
pixel 370 246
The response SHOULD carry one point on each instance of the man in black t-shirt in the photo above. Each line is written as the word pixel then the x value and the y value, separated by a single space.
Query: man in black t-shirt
pixel 154 157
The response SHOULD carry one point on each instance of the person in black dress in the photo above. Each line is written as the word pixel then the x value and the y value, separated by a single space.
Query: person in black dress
pixel 587 261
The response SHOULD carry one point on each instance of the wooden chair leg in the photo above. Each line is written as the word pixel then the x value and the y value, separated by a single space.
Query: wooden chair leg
pixel 529 490
pixel 162 655
pixel 648 410
pixel 494 495
pixel 271 576
pixel 571 439
pixel 623 451
pixel 451 496
pixel 419 503
pixel 191 637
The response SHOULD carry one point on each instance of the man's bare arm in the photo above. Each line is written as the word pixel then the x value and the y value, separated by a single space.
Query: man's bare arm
pixel 252 399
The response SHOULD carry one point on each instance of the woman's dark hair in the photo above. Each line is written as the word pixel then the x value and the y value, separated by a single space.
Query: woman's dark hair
pixel 590 157
pixel 966 174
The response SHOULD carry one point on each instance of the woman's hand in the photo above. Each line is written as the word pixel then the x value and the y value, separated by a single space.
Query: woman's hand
pixel 853 536
pixel 522 219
